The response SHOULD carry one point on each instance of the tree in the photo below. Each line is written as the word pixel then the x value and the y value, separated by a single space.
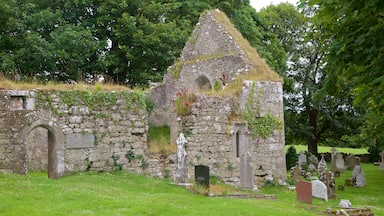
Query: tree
pixel 355 57
pixel 311 115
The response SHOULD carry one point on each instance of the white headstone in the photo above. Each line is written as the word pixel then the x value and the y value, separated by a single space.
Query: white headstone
pixel 319 190
pixel 345 203
pixel 302 158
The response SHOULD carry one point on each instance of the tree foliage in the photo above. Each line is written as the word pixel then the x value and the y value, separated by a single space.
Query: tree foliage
pixel 313 115
pixel 355 57
pixel 129 42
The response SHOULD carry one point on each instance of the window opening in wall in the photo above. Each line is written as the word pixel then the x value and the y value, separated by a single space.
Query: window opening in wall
pixel 18 102
pixel 237 144
pixel 203 83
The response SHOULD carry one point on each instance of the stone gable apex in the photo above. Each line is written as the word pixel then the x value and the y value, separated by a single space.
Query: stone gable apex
pixel 215 37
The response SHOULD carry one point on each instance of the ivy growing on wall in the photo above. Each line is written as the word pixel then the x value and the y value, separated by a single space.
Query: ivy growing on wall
pixel 260 126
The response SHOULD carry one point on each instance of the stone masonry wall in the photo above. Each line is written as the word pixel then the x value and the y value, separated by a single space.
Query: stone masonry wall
pixel 98 130
pixel 211 133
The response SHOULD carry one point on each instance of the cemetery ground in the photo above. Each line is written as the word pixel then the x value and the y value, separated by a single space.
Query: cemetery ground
pixel 324 149
pixel 121 193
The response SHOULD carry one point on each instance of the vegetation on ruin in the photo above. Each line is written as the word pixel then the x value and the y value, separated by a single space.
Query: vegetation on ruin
pixel 260 126
pixel 121 193
pixel 159 141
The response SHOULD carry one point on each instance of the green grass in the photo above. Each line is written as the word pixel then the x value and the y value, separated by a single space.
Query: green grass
pixel 324 149
pixel 122 193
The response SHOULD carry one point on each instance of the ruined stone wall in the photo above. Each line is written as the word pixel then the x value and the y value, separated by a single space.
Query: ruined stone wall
pixel 94 131
pixel 211 134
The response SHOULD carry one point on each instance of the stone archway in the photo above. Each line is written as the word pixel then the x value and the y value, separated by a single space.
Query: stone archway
pixel 203 84
pixel 55 146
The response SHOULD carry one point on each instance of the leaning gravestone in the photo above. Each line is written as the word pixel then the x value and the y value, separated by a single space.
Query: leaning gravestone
pixel 358 177
pixel 302 160
pixel 304 191
pixel 319 190
pixel 339 162
pixel 202 175
pixel 382 160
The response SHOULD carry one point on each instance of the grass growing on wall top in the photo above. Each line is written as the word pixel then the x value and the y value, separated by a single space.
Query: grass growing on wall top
pixel 10 85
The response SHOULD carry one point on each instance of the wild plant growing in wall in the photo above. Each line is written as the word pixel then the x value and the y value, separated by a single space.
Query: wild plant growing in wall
pixel 184 101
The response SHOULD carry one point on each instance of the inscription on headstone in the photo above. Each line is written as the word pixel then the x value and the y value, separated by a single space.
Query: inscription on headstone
pixel 80 140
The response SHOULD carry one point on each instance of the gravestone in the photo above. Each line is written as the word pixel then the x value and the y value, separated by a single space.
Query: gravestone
pixel 202 175
pixel 339 162
pixel 311 168
pixel 246 180
pixel 304 191
pixel 351 161
pixel 313 159
pixel 333 159
pixel 296 173
pixel 322 166
pixel 302 159
pixel 382 160
pixel 181 171
pixel 319 190
pixel 358 177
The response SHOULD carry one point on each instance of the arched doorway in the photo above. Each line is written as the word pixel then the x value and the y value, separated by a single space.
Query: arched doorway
pixel 54 147
pixel 203 83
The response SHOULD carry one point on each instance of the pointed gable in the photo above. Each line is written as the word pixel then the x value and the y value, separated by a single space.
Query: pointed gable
pixel 216 39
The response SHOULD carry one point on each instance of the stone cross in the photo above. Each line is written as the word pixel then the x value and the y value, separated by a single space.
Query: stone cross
pixel 382 160
pixel 181 165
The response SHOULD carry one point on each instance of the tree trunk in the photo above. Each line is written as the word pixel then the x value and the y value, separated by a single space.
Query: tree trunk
pixel 313 137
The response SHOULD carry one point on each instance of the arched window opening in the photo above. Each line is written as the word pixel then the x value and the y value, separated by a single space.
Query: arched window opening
pixel 203 83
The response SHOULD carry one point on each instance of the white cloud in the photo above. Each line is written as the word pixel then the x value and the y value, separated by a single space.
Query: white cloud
pixel 258 4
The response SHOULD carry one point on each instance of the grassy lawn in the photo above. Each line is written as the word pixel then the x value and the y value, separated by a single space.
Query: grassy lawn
pixel 324 149
pixel 122 193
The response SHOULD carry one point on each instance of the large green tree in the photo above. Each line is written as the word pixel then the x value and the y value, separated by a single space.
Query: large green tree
pixel 312 114
pixel 355 57
pixel 130 42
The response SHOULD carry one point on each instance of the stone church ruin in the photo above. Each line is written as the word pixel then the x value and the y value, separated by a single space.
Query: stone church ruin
pixel 220 96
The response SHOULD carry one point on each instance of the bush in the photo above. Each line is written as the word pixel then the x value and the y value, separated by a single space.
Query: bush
pixel 291 157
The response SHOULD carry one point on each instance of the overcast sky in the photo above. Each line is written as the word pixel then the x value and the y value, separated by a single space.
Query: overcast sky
pixel 258 4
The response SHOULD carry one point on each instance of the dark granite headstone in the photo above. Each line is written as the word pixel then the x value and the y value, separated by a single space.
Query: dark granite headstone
pixel 202 175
